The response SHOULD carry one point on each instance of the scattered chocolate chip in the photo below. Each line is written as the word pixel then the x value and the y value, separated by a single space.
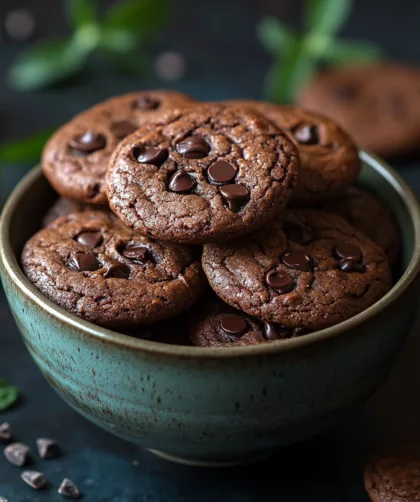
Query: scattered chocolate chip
pixel 88 142
pixel 122 128
pixel 280 281
pixel 34 479
pixel 117 270
pixel 47 448
pixel 347 251
pixel 351 266
pixel 306 134
pixel 150 155
pixel 5 432
pixel 82 262
pixel 274 331
pixel 146 103
pixel 137 254
pixel 181 182
pixel 297 260
pixel 68 489
pixel 221 172
pixel 233 324
pixel 193 147
pixel 235 195
pixel 17 454
pixel 299 233
pixel 345 92
pixel 90 238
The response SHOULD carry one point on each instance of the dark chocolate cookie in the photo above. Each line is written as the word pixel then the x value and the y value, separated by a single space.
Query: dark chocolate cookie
pixel 370 216
pixel 206 173
pixel 63 206
pixel 76 158
pixel 216 324
pixel 329 158
pixel 310 269
pixel 378 105
pixel 94 267
pixel 393 477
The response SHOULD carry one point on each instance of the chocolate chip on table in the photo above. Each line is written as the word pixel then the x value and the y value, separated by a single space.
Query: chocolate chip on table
pixel 68 489
pixel 297 260
pixel 235 195
pixel 82 262
pixel 181 182
pixel 47 448
pixel 146 103
pixel 296 232
pixel 34 479
pixel 89 238
pixel 137 254
pixel 5 432
pixel 347 251
pixel 122 128
pixel 150 155
pixel 280 281
pixel 88 142
pixel 17 454
pixel 273 331
pixel 233 324
pixel 351 266
pixel 221 172
pixel 306 134
pixel 193 147
pixel 117 270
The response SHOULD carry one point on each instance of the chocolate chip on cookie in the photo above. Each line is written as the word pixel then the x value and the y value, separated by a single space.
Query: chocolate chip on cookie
pixel 93 266
pixel 308 269
pixel 75 159
pixel 206 173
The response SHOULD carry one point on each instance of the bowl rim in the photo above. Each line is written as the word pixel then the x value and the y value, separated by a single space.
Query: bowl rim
pixel 12 268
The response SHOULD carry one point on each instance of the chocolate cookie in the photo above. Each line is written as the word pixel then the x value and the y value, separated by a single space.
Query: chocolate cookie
pixel 311 269
pixel 63 206
pixel 329 158
pixel 378 105
pixel 76 158
pixel 393 478
pixel 94 267
pixel 207 173
pixel 370 216
pixel 216 324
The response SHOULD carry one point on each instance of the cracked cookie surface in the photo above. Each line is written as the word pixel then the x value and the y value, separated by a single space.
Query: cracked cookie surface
pixel 308 269
pixel 93 266
pixel 207 173
pixel 63 206
pixel 76 157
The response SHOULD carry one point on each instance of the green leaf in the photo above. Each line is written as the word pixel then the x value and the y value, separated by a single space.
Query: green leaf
pixel 326 16
pixel 342 51
pixel 140 17
pixel 129 63
pixel 81 12
pixel 8 395
pixel 275 35
pixel 117 41
pixel 24 150
pixel 47 63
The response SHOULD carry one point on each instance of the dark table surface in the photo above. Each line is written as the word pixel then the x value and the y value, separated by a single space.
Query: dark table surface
pixel 224 61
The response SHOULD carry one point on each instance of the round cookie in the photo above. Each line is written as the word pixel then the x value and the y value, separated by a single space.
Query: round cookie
pixel 63 206
pixel 393 478
pixel 216 324
pixel 94 267
pixel 76 157
pixel 370 216
pixel 206 173
pixel 378 105
pixel 311 269
pixel 329 158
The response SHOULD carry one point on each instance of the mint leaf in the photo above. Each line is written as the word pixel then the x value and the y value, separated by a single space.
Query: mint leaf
pixel 326 16
pixel 8 395
pixel 128 63
pixel 343 51
pixel 275 35
pixel 118 41
pixel 24 150
pixel 81 12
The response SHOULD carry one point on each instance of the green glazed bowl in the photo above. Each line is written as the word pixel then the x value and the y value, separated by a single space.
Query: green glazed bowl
pixel 212 406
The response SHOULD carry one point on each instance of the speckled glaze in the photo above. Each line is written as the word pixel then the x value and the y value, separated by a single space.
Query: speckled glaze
pixel 212 405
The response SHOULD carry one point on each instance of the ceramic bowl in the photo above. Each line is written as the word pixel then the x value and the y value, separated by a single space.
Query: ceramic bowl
pixel 212 406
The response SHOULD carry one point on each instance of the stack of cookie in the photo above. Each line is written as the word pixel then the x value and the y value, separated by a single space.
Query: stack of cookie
pixel 236 223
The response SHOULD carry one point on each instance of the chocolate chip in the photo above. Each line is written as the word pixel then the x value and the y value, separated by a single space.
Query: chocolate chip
pixel 181 182
pixel 82 262
pixel 68 489
pixel 274 332
pixel 299 233
pixel 297 260
pixel 306 134
pixel 34 479
pixel 137 254
pixel 221 172
pixel 347 251
pixel 17 454
pixel 5 432
pixel 233 324
pixel 351 266
pixel 235 195
pixel 88 142
pixel 146 103
pixel 280 281
pixel 345 92
pixel 193 147
pixel 47 448
pixel 122 128
pixel 150 155
pixel 90 238
pixel 117 270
